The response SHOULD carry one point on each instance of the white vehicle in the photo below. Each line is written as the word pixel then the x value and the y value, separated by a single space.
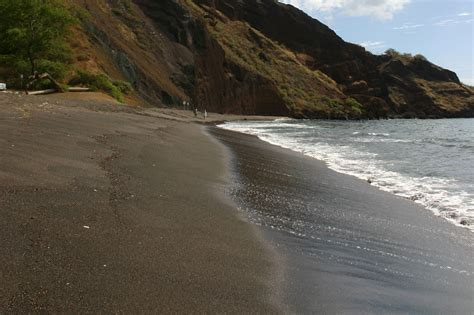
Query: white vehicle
pixel 3 86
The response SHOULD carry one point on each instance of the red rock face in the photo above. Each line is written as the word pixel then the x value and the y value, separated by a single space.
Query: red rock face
pixel 349 64
pixel 175 56
pixel 223 86
pixel 217 84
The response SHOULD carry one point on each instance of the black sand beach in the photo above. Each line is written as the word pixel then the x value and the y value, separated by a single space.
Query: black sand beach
pixel 112 209
pixel 106 210
pixel 349 247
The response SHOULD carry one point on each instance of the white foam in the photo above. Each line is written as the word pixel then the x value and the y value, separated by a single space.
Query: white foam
pixel 444 197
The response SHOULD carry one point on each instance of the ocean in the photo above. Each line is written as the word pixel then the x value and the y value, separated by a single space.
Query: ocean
pixel 428 161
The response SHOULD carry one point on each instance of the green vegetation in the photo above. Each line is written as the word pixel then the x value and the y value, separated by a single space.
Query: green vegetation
pixel 301 89
pixel 101 82
pixel 127 4
pixel 420 57
pixel 404 57
pixel 354 105
pixel 33 37
pixel 392 52
pixel 307 93
pixel 348 108
pixel 123 8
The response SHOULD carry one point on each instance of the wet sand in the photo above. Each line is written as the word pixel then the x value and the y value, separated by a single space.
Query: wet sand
pixel 109 209
pixel 349 247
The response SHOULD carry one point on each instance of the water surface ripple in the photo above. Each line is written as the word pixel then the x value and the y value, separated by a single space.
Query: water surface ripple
pixel 428 161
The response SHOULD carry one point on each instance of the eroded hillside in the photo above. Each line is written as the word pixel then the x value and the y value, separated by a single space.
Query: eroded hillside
pixel 258 58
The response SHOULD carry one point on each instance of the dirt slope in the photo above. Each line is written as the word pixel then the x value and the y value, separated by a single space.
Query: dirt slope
pixel 261 58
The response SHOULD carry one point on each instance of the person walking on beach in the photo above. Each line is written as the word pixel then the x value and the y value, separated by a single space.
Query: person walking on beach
pixel 205 114
pixel 195 112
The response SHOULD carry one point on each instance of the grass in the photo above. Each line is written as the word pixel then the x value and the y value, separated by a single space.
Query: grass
pixel 101 82
pixel 303 90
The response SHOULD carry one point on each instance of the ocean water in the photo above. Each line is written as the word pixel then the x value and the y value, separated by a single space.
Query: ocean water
pixel 428 161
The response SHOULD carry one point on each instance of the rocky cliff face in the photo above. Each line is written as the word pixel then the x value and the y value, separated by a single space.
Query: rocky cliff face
pixel 263 57
pixel 218 84
pixel 385 85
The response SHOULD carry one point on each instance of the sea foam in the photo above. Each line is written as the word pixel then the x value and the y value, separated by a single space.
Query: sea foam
pixel 445 196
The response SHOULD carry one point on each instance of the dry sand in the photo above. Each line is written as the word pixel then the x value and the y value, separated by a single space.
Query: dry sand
pixel 111 209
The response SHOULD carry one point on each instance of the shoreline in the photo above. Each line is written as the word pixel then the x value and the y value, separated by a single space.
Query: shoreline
pixel 124 209
pixel 457 220
pixel 276 277
pixel 349 246
pixel 109 210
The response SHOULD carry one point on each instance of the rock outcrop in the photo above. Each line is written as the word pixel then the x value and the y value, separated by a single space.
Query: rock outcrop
pixel 263 57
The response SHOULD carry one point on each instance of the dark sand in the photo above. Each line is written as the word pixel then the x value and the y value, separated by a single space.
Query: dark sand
pixel 107 209
pixel 349 247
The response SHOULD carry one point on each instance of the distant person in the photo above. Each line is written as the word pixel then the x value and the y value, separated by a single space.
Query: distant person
pixel 205 114
pixel 195 112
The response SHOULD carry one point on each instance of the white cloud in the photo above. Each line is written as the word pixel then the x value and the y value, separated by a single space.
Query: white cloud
pixel 374 46
pixel 468 81
pixel 381 9
pixel 464 14
pixel 370 43
pixel 407 26
pixel 448 22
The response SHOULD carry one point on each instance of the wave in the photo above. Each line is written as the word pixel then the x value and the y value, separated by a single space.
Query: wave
pixel 443 196
pixel 378 134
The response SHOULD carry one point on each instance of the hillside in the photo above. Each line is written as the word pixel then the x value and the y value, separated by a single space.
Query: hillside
pixel 263 58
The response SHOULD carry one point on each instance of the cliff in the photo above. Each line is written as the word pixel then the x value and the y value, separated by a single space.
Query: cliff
pixel 258 57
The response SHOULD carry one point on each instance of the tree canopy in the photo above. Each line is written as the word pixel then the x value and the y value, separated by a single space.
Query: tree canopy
pixel 32 36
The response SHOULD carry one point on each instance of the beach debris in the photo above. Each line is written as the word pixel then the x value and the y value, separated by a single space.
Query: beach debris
pixel 86 227
pixel 50 91
pixel 3 86
pixel 42 92
pixel 416 197
pixel 370 180
pixel 57 86
pixel 79 89
pixel 452 214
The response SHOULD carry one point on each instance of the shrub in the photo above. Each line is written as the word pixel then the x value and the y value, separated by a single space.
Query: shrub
pixel 333 104
pixel 102 82
pixel 354 105
pixel 56 69
pixel 123 86
pixel 420 57
pixel 392 52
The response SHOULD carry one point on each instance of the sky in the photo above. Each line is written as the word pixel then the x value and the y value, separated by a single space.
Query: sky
pixel 440 30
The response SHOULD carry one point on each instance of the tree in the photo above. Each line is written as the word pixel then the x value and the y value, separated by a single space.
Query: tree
pixel 32 35
pixel 420 57
pixel 392 52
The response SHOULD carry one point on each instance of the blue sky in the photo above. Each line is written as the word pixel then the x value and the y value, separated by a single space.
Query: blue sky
pixel 441 30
